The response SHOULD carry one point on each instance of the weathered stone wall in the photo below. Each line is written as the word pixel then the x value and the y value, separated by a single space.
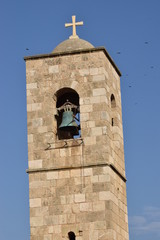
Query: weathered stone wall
pixel 79 186
pixel 89 201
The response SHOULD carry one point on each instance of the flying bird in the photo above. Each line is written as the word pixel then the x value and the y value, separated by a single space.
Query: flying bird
pixel 118 52
pixel 27 49
pixel 146 42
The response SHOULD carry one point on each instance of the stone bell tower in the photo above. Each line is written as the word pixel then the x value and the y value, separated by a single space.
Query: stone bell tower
pixel 77 184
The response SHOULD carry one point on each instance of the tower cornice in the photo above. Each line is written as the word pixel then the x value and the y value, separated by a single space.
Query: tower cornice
pixel 90 50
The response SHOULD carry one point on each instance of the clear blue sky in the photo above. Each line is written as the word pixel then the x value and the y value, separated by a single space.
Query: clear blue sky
pixel 130 31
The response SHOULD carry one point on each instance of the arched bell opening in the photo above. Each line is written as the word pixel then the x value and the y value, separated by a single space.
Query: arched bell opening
pixel 68 118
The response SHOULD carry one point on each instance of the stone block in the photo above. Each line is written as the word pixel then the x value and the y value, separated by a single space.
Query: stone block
pixel 86 108
pixel 84 117
pixel 75 208
pixel 54 229
pixel 98 78
pixel 99 92
pixel 106 170
pixel 94 179
pixel 63 200
pixel 36 221
pixel 50 220
pixel 78 180
pixel 93 235
pixel 91 197
pixel 62 219
pixel 36 106
pixel 37 122
pixel 53 69
pixel 87 172
pixel 101 225
pixel 35 164
pixel 31 86
pixel 65 152
pixel 42 129
pixel 48 237
pixel 105 195
pixel 105 116
pixel 76 151
pixel 104 178
pixel 91 124
pixel 74 84
pixel 104 130
pixel 93 71
pixel 96 131
pixel 114 85
pixel 104 99
pixel 106 74
pixel 76 173
pixel 100 186
pixel 87 100
pixel 95 216
pixel 98 206
pixel 79 198
pixel 101 70
pixel 52 175
pixel 64 174
pixel 29 107
pixel 71 218
pixel 96 99
pixel 90 141
pixel 36 202
pixel 31 72
pixel 30 138
pixel 28 93
pixel 85 207
pixel 84 72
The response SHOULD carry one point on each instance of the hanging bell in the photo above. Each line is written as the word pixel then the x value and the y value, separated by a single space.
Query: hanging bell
pixel 68 123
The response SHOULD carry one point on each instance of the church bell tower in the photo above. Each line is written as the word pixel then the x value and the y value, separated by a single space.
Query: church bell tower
pixel 77 183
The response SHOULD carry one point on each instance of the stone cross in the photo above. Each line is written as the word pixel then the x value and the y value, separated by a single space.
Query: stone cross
pixel 73 24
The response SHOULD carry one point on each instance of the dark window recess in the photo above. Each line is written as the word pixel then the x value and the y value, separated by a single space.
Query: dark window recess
pixel 113 101
pixel 113 106
pixel 68 117
pixel 112 122
pixel 71 236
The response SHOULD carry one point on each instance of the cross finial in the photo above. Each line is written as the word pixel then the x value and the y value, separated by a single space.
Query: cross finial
pixel 74 24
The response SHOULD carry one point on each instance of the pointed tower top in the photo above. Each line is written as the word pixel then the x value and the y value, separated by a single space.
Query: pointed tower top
pixel 73 24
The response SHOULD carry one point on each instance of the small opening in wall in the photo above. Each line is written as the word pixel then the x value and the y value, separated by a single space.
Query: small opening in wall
pixel 71 235
pixel 112 122
pixel 113 101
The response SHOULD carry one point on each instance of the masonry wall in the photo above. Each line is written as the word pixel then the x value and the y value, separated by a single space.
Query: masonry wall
pixel 80 186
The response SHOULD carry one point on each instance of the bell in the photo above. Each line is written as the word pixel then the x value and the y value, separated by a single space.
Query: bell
pixel 68 123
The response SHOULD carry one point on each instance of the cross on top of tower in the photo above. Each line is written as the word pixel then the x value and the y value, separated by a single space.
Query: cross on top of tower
pixel 74 24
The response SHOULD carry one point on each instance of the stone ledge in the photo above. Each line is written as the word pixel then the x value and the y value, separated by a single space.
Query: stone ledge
pixel 79 167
